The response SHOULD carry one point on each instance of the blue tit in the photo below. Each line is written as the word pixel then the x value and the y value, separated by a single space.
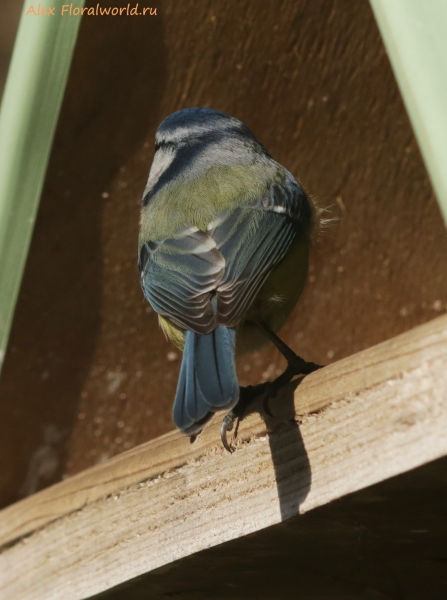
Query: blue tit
pixel 223 253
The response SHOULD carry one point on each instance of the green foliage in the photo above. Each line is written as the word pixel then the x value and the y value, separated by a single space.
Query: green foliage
pixel 28 117
pixel 414 32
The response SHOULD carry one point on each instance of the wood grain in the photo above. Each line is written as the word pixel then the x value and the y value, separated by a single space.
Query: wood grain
pixel 357 422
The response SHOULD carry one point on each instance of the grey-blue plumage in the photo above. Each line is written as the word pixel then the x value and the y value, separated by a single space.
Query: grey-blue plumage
pixel 207 381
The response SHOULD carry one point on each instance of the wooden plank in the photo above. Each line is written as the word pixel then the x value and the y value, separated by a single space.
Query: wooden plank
pixel 380 543
pixel 359 421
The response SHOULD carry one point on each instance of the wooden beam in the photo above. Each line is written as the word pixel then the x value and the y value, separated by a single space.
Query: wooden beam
pixel 366 418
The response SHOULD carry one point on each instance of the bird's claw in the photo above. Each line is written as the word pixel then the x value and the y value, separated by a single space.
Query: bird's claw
pixel 227 425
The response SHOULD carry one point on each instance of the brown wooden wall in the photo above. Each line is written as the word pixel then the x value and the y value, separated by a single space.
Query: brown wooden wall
pixel 88 373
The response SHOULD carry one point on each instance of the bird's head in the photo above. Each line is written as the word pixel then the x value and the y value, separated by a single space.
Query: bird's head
pixel 192 126
pixel 192 140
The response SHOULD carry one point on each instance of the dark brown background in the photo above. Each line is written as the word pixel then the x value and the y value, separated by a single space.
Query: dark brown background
pixel 88 373
pixel 9 21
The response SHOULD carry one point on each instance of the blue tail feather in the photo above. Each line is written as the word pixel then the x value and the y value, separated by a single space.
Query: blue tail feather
pixel 207 381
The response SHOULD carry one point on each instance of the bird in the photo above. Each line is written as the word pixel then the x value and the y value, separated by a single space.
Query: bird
pixel 223 252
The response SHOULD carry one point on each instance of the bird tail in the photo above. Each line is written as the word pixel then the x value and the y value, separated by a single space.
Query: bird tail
pixel 207 381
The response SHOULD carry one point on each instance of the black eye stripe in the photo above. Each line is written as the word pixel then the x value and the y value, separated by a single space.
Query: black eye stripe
pixel 164 145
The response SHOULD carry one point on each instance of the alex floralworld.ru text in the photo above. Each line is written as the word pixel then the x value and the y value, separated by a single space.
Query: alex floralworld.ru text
pixel 94 11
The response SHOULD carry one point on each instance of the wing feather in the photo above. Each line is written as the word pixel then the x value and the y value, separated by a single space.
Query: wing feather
pixel 178 275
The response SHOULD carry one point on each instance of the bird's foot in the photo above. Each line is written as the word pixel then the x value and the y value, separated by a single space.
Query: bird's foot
pixel 269 390
pixel 246 397
pixel 299 366
pixel 296 366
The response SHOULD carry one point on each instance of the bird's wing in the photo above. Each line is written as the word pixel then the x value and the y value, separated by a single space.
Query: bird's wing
pixel 199 280
pixel 253 240
pixel 177 276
